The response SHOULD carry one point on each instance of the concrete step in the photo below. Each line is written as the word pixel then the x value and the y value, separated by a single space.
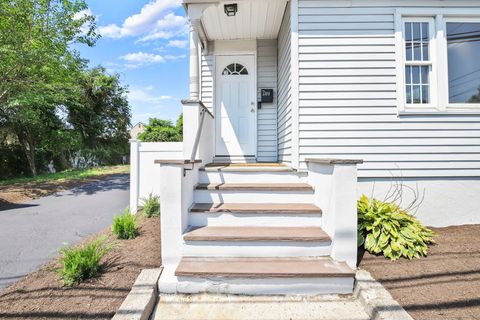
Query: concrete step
pixel 252 175
pixel 254 195
pixel 250 241
pixel 267 187
pixel 199 219
pixel 255 276
pixel 257 234
pixel 256 208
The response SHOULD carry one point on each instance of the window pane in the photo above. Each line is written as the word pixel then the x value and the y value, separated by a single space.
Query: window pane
pixel 416 75
pixel 409 93
pixel 409 51
pixel 426 56
pixel 416 31
pixel 408 75
pixel 425 32
pixel 425 94
pixel 424 74
pixel 463 40
pixel 408 31
pixel 416 94
pixel 417 51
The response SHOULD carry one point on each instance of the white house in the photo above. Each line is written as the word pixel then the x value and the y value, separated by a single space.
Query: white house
pixel 295 109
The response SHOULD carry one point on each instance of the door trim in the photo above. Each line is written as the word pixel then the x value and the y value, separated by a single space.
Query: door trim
pixel 214 95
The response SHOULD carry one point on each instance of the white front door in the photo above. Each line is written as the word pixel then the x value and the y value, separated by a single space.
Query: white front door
pixel 235 106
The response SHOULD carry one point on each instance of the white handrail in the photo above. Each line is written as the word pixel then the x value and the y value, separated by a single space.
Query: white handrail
pixel 199 130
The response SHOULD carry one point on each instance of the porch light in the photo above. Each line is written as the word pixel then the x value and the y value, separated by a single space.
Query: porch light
pixel 231 9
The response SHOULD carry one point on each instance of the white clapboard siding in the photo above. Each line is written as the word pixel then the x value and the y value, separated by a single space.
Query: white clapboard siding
pixel 267 114
pixel 348 99
pixel 207 77
pixel 284 100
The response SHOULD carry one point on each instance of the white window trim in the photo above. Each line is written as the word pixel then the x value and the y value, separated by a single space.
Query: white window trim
pixel 439 103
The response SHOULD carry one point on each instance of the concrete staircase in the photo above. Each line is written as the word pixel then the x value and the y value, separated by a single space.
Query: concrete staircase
pixel 253 229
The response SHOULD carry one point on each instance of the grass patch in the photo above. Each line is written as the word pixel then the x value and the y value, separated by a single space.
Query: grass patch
pixel 78 174
pixel 83 262
pixel 151 206
pixel 124 226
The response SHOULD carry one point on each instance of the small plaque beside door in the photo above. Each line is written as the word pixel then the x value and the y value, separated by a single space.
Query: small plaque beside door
pixel 266 95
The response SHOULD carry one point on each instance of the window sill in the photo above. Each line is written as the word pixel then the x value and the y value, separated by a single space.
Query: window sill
pixel 447 113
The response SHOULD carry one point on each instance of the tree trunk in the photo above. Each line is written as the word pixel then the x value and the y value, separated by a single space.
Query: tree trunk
pixel 30 153
pixel 29 149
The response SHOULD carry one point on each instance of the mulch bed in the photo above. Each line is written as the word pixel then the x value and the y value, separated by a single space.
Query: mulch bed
pixel 444 285
pixel 41 294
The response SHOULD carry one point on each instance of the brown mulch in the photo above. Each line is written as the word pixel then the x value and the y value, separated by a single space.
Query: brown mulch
pixel 444 285
pixel 22 192
pixel 41 294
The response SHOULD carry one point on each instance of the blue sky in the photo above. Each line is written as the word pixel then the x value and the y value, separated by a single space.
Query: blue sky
pixel 146 42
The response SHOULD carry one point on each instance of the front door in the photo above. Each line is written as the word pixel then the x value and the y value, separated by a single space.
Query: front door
pixel 235 106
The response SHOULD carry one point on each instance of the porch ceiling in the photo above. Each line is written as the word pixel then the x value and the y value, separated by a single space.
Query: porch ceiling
pixel 254 20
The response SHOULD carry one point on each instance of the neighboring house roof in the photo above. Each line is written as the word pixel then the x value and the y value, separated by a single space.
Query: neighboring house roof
pixel 136 130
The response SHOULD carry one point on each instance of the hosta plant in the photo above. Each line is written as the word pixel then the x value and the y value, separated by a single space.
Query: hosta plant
pixel 385 228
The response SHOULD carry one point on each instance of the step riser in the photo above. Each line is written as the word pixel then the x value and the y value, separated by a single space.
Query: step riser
pixel 252 177
pixel 256 249
pixel 248 286
pixel 222 196
pixel 201 219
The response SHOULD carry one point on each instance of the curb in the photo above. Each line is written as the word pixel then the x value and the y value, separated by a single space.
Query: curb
pixel 376 300
pixel 139 303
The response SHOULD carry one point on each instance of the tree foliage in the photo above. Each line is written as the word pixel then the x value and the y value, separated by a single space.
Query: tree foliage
pixel 159 130
pixel 50 103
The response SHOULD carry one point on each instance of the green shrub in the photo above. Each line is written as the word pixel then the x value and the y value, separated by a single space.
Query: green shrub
pixel 124 226
pixel 82 263
pixel 383 227
pixel 151 206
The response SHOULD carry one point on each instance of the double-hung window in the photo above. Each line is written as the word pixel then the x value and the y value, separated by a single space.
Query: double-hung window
pixel 440 63
pixel 418 61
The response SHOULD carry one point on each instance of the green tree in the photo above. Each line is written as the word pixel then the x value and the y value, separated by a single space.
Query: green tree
pixel 100 112
pixel 38 68
pixel 159 130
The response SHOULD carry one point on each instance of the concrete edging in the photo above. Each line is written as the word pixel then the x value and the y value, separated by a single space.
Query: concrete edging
pixel 376 300
pixel 139 303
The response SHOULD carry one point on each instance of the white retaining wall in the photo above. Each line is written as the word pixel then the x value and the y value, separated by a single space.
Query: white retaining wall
pixel 144 173
pixel 447 201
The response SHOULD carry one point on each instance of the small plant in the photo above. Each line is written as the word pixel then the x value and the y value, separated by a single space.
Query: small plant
pixel 124 226
pixel 151 206
pixel 383 227
pixel 82 263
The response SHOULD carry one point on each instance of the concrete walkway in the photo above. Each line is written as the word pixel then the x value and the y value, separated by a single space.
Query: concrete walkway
pixel 223 307
pixel 32 233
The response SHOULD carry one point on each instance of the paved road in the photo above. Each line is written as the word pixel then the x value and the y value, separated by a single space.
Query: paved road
pixel 32 233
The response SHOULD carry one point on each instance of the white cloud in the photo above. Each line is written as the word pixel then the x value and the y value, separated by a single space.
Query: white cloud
pixel 83 14
pixel 143 58
pixel 138 59
pixel 178 43
pixel 143 96
pixel 153 22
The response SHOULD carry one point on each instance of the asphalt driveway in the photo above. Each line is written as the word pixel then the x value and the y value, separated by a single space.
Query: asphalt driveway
pixel 32 232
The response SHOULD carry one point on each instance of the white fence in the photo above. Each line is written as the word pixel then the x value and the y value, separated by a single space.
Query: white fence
pixel 144 173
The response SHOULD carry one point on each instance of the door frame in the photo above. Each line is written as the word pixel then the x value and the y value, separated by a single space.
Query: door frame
pixel 214 94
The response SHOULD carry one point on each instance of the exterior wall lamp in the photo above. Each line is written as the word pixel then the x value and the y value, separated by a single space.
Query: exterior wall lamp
pixel 231 9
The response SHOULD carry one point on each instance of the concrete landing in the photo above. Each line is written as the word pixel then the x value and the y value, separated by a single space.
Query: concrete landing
pixel 232 307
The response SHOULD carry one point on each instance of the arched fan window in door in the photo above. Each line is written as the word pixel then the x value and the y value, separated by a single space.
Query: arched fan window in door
pixel 234 69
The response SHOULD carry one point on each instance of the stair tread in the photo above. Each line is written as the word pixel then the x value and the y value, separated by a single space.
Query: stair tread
pixel 218 233
pixel 247 167
pixel 262 268
pixel 255 186
pixel 272 208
